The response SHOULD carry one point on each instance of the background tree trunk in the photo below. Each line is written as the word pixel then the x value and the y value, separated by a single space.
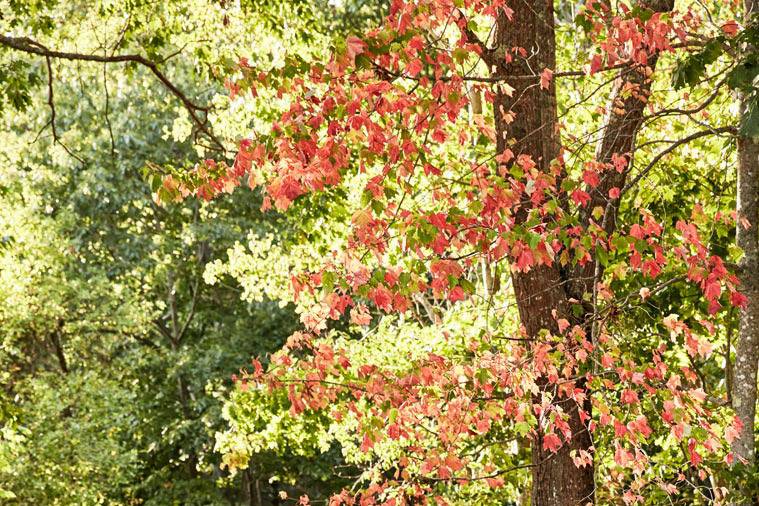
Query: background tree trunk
pixel 744 388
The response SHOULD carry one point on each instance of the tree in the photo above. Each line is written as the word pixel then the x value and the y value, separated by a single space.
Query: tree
pixel 507 229
pixel 747 351
pixel 385 113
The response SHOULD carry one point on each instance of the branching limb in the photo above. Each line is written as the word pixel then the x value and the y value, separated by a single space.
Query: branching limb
pixel 674 146
pixel 107 118
pixel 195 293
pixel 51 104
pixel 30 46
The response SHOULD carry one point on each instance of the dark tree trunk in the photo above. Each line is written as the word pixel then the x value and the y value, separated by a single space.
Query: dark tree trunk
pixel 544 290
pixel 55 338
pixel 540 291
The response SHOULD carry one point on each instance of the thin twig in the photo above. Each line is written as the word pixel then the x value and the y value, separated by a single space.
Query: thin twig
pixel 51 103
pixel 674 146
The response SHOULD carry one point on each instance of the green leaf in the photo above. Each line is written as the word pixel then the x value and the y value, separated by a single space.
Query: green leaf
pixel 522 428
pixel 743 75
pixel 749 126
pixel 690 71
pixel 328 281
pixel 602 255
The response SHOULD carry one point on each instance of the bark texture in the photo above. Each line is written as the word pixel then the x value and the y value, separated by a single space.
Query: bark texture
pixel 747 349
pixel 541 291
pixel 744 385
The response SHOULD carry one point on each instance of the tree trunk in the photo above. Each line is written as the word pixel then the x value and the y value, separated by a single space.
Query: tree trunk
pixel 555 478
pixel 248 488
pixel 624 118
pixel 543 290
pixel 55 338
pixel 744 387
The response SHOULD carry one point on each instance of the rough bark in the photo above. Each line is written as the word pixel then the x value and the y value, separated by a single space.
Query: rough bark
pixel 744 388
pixel 540 291
pixel 744 393
pixel 744 385
pixel 547 289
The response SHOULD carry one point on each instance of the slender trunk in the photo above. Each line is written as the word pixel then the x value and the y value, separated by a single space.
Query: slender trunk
pixel 259 501
pixel 747 348
pixel 55 338
pixel 60 353
pixel 251 488
pixel 744 387
pixel 475 109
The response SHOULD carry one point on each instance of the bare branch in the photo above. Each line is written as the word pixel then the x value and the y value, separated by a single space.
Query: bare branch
pixel 30 46
pixel 51 103
pixel 674 146
pixel 107 118
pixel 195 293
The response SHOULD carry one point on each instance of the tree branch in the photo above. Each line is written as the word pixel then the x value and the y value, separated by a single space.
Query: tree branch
pixel 161 327
pixel 51 104
pixel 674 146
pixel 55 338
pixel 30 46
pixel 191 314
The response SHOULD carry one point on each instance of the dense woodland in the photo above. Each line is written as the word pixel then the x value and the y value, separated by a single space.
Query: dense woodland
pixel 357 252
